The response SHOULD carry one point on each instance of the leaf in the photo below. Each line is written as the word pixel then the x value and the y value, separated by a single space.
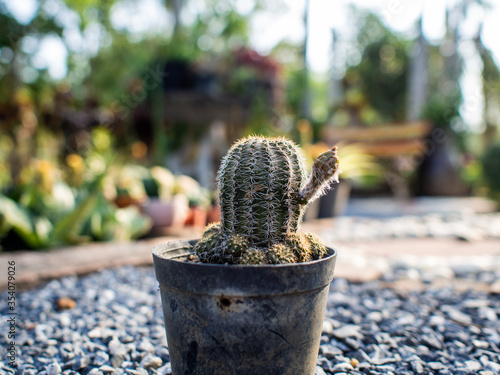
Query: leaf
pixel 133 223
pixel 68 229
pixel 22 222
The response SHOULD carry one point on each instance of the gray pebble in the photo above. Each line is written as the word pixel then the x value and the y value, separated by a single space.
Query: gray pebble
pixel 151 361
pixel 348 330
pixel 106 369
pixel 330 351
pixel 165 370
pixel 368 328
pixel 100 358
pixel 53 369
pixel 342 367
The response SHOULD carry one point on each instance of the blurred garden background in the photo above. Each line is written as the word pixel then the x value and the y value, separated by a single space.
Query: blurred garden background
pixel 114 115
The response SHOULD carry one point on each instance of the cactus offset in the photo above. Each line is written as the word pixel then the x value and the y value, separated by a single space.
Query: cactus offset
pixel 264 192
pixel 254 256
pixel 280 253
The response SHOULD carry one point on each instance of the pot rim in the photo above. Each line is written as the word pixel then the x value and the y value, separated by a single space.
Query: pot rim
pixel 158 252
pixel 224 279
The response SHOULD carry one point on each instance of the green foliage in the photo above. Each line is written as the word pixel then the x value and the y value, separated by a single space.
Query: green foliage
pixel 53 203
pixel 491 168
pixel 41 217
pixel 375 87
pixel 263 193
pixel 445 98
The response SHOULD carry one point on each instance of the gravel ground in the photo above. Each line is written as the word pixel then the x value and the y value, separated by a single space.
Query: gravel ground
pixel 466 226
pixel 110 322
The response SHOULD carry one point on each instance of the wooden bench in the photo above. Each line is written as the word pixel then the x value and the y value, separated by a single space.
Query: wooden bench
pixel 385 141
pixel 401 144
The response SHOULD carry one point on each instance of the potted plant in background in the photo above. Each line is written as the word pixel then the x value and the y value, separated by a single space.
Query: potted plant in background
pixel 164 205
pixel 249 297
pixel 198 198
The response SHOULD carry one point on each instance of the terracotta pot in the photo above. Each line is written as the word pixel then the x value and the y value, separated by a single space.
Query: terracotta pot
pixel 197 217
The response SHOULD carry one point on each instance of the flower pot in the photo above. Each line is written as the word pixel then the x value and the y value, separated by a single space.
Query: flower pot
pixel 236 319
pixel 166 213
pixel 197 217
pixel 334 203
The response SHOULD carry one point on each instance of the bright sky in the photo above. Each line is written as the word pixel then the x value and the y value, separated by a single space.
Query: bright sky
pixel 285 22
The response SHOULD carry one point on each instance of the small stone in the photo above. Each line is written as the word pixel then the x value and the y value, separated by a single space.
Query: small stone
pixel 480 344
pixel 100 358
pixel 165 370
pixel 139 371
pixel 361 356
pixel 80 362
pixel 151 361
pixel 330 351
pixel 95 333
pixel 53 369
pixel 386 369
pixel 117 360
pixel 354 362
pixel 406 319
pixel 352 343
pixel 436 365
pixel 65 303
pixel 319 371
pixel 495 367
pixel 432 341
pixel 464 269
pixel 473 365
pixel 342 367
pixel 437 320
pixel 127 339
pixel 146 346
pixel 327 327
pixel 495 287
pixel 348 330
pixel 459 317
pixel 375 316
pixel 106 368
pixel 475 303
pixel 116 347
pixel 488 313
pixel 417 367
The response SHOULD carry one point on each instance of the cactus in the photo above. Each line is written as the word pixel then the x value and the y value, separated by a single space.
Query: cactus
pixel 263 193
pixel 253 256
pixel 281 253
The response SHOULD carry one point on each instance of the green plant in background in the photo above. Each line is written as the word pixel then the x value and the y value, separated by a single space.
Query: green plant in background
pixel 357 166
pixel 53 204
pixel 491 168
pixel 197 195
pixel 263 193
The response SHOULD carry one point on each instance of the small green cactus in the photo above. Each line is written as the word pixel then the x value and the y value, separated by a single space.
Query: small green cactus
pixel 263 195
pixel 281 253
pixel 253 256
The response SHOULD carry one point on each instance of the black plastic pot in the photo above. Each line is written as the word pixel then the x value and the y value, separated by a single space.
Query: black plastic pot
pixel 241 320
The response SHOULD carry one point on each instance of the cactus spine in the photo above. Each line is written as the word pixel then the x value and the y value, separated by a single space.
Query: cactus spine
pixel 263 195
